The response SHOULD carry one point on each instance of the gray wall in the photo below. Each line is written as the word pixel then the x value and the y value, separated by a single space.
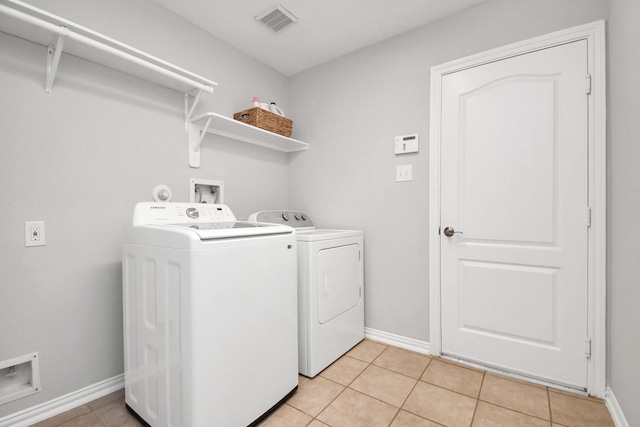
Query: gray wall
pixel 81 157
pixel 351 109
pixel 624 187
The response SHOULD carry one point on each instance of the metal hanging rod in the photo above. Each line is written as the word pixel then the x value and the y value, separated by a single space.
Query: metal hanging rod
pixel 62 30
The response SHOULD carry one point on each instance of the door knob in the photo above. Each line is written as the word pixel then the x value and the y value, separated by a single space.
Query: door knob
pixel 449 231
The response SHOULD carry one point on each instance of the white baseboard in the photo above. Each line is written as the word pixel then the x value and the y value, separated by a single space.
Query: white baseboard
pixel 397 340
pixel 62 404
pixel 614 409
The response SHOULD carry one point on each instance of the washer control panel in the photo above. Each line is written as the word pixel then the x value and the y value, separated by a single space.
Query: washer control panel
pixel 293 219
pixel 181 213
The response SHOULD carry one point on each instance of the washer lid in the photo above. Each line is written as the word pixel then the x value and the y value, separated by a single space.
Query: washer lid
pixel 223 230
pixel 316 235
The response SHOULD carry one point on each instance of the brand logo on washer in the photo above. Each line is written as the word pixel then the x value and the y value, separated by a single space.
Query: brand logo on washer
pixel 192 213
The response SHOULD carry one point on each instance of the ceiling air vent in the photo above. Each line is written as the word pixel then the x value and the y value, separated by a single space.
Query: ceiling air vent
pixel 277 18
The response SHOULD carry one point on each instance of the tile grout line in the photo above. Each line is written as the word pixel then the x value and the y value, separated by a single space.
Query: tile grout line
pixel 371 397
pixel 452 391
pixel 479 399
pixel 431 358
pixel 399 373
pixel 395 372
pixel 329 404
pixel 549 404
pixel 515 410
pixel 475 410
pixel 370 364
pixel 347 386
pixel 409 394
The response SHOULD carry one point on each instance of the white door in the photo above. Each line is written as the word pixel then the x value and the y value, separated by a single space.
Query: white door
pixel 338 281
pixel 514 183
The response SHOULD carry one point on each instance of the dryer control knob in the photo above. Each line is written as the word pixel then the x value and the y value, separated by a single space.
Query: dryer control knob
pixel 302 217
pixel 285 216
pixel 297 217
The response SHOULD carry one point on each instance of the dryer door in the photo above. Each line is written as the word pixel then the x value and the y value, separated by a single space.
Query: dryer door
pixel 338 281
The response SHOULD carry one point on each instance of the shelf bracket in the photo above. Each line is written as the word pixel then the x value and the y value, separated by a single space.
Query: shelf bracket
pixel 54 52
pixel 195 141
pixel 188 110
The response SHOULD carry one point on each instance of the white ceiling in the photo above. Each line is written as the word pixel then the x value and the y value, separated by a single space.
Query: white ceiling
pixel 326 29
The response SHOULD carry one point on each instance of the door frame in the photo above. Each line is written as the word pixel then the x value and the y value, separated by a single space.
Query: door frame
pixel 594 33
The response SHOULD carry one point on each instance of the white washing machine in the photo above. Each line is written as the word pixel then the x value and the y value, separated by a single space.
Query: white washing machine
pixel 210 311
pixel 330 289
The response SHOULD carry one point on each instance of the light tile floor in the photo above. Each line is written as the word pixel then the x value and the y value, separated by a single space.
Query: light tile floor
pixel 379 385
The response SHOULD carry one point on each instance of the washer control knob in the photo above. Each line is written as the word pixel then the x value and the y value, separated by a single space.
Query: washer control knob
pixel 192 213
pixel 285 216
pixel 302 217
pixel 297 217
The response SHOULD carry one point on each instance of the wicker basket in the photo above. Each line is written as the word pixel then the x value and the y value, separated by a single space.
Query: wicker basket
pixel 266 120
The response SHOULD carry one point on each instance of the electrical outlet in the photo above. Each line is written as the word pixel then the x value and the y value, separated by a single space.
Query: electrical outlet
pixel 403 173
pixel 34 233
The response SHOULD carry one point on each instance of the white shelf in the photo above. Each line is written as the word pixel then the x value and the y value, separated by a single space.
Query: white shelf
pixel 22 20
pixel 224 126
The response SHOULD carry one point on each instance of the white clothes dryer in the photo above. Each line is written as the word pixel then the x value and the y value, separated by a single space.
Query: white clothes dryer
pixel 210 312
pixel 330 289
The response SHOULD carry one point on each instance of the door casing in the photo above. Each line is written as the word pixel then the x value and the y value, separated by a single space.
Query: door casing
pixel 594 33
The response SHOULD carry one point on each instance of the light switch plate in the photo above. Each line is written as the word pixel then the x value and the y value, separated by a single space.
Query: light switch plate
pixel 403 173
